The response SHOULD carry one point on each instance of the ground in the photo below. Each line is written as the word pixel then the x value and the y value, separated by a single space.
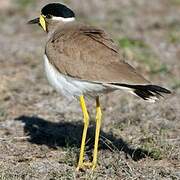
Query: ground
pixel 40 130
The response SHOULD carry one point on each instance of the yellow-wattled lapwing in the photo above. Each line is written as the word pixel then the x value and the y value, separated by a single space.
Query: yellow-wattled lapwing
pixel 82 60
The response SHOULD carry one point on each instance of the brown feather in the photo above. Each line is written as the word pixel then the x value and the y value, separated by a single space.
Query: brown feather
pixel 87 53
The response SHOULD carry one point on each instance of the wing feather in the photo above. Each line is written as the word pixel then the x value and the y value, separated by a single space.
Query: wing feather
pixel 88 53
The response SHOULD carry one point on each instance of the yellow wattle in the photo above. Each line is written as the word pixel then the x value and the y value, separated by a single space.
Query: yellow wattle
pixel 42 22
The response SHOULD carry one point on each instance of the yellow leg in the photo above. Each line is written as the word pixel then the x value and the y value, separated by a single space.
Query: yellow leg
pixel 98 126
pixel 86 124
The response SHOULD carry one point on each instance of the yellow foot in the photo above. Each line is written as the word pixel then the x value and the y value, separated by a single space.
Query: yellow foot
pixel 93 167
pixel 86 165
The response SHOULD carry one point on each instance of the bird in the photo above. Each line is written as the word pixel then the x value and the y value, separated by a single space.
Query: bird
pixel 82 61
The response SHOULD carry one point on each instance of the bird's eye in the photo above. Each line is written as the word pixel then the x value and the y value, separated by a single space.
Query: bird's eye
pixel 48 16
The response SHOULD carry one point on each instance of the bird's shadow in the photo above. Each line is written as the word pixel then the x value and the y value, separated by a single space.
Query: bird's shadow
pixel 68 134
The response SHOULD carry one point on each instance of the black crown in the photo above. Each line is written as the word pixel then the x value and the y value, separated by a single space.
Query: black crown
pixel 58 10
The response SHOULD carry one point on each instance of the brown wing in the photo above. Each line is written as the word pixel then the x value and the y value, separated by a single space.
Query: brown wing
pixel 88 53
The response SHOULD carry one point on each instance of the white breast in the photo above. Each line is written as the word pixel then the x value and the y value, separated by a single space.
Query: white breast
pixel 68 86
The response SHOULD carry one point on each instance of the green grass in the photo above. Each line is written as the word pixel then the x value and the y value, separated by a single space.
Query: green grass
pixel 160 70
pixel 56 175
pixel 130 43
pixel 3 114
pixel 175 84
pixel 156 144
pixel 24 3
pixel 143 54
pixel 150 144
pixel 174 37
pixel 70 156
pixel 175 2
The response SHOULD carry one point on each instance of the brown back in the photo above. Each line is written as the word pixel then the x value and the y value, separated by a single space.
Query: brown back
pixel 87 53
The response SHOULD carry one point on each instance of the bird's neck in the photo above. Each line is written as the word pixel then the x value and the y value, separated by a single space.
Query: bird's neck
pixel 54 24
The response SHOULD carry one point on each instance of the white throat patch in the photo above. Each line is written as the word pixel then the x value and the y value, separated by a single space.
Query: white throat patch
pixel 55 18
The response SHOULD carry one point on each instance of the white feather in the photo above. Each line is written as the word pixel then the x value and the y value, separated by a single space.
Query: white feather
pixel 68 86
pixel 152 99
pixel 55 18
pixel 71 87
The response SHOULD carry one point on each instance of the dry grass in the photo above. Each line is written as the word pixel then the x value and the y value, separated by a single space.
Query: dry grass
pixel 40 130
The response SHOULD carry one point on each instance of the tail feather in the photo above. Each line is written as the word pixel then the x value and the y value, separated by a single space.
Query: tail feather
pixel 146 92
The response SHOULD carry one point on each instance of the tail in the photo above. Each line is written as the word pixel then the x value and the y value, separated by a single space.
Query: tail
pixel 150 93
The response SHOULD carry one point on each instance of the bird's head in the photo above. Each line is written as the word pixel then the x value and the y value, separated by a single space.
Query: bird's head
pixel 53 13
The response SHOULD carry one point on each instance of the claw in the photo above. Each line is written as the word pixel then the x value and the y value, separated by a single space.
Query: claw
pixel 86 165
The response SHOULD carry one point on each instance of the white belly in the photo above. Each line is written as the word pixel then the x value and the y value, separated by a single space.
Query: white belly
pixel 68 86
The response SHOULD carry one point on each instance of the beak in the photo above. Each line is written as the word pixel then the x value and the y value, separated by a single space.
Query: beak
pixel 34 21
pixel 40 20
